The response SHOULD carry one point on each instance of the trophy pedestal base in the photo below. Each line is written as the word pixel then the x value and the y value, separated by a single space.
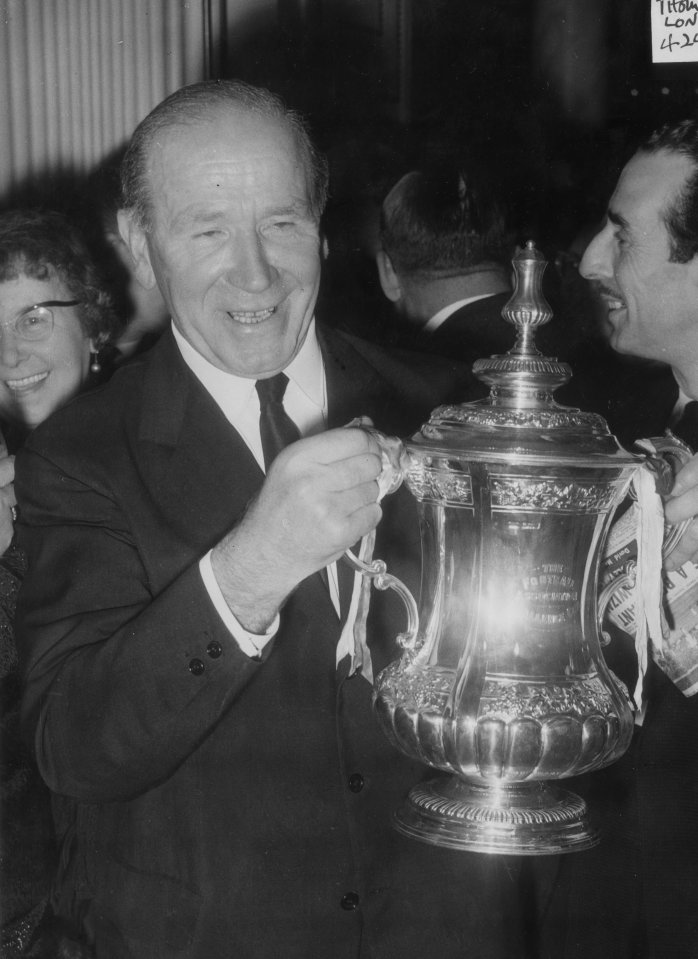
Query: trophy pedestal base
pixel 520 819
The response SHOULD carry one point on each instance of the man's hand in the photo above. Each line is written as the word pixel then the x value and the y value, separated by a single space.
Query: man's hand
pixel 319 498
pixel 681 505
pixel 7 501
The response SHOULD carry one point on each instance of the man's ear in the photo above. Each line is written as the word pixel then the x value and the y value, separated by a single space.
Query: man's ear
pixel 390 281
pixel 136 240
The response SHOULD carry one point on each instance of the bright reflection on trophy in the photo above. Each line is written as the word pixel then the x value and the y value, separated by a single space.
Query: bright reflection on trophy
pixel 502 687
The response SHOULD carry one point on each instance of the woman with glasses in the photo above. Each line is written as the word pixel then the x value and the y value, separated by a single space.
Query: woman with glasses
pixel 55 318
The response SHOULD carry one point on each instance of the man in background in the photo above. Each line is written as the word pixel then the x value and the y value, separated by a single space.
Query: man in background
pixel 445 262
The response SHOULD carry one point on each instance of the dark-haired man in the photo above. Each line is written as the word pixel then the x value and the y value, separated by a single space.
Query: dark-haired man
pixel 635 894
pixel 195 692
pixel 445 260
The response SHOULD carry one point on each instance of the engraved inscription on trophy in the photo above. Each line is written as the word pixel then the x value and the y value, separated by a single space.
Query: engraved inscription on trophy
pixel 551 594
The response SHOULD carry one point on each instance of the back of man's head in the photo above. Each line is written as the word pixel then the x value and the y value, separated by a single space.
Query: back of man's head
pixel 443 221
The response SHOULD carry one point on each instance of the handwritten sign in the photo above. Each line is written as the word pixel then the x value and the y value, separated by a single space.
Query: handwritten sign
pixel 674 31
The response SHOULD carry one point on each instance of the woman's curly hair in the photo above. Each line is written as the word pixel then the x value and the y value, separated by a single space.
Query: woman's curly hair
pixel 40 243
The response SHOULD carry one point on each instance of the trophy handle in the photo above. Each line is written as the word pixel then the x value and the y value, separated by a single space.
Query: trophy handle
pixel 377 572
pixel 395 459
pixel 666 455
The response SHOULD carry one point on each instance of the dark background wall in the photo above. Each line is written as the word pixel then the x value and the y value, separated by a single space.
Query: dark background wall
pixel 554 91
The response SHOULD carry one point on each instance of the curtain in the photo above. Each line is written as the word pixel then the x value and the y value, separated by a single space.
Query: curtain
pixel 78 75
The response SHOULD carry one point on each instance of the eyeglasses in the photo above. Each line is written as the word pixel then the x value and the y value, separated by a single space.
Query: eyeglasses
pixel 36 322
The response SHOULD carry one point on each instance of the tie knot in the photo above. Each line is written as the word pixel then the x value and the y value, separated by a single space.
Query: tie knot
pixel 272 389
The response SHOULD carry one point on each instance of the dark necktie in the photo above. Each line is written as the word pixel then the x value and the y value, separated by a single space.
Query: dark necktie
pixel 686 427
pixel 276 428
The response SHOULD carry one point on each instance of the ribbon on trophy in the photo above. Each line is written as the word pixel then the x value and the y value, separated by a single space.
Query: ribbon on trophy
pixel 352 641
pixel 659 609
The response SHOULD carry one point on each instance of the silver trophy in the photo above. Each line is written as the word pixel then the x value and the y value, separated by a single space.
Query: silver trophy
pixel 502 687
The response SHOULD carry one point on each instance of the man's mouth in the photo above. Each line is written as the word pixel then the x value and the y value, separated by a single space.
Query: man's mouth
pixel 610 299
pixel 25 383
pixel 251 317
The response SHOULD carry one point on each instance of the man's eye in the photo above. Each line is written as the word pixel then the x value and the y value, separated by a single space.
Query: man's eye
pixel 208 234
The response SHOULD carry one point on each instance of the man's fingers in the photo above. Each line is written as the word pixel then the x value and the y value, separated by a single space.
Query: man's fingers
pixel 7 495
pixel 681 507
pixel 353 471
pixel 686 478
pixel 685 549
pixel 334 445
pixel 7 470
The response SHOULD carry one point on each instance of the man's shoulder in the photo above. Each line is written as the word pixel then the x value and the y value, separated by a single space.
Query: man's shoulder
pixel 486 311
pixel 396 388
pixel 424 377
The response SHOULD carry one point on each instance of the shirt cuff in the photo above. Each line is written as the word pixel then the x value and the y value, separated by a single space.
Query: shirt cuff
pixel 252 644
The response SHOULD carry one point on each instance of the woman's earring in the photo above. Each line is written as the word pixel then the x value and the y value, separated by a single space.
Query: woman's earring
pixel 95 365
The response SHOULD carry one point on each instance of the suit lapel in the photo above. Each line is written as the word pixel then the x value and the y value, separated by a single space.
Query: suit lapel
pixel 200 466
pixel 354 386
pixel 202 470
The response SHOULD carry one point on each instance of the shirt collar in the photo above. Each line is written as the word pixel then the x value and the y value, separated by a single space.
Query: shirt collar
pixel 438 318
pixel 232 392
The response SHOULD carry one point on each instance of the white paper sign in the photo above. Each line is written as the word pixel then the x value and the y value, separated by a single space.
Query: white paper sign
pixel 674 31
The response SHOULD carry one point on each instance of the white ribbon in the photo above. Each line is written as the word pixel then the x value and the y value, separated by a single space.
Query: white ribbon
pixel 648 579
pixel 352 641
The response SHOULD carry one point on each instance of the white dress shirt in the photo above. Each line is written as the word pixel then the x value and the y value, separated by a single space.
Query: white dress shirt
pixel 305 401
pixel 438 318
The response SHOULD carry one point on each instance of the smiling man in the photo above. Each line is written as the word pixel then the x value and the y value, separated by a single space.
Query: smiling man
pixel 198 699
pixel 634 895
pixel 643 261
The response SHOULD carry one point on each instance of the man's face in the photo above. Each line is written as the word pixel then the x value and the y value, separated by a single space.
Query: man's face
pixel 651 302
pixel 234 246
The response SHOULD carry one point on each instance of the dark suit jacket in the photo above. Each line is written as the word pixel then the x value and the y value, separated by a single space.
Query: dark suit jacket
pixel 211 805
pixel 473 332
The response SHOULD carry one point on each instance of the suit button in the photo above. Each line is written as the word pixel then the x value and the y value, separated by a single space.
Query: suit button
pixel 356 782
pixel 196 667
pixel 350 901
pixel 214 649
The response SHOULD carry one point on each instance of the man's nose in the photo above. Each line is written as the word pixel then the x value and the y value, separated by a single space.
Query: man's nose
pixel 597 262
pixel 250 269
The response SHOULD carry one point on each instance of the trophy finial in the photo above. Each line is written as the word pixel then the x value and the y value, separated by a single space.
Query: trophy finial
pixel 523 372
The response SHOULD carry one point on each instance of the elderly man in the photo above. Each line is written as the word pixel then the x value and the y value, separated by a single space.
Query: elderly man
pixel 635 895
pixel 195 694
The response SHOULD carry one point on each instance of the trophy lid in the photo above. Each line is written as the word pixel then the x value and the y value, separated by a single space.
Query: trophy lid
pixel 520 421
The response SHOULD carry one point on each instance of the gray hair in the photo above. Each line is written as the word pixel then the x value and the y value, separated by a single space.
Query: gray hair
pixel 195 102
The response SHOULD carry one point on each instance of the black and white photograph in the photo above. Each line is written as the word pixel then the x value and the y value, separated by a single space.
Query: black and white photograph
pixel 348 493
